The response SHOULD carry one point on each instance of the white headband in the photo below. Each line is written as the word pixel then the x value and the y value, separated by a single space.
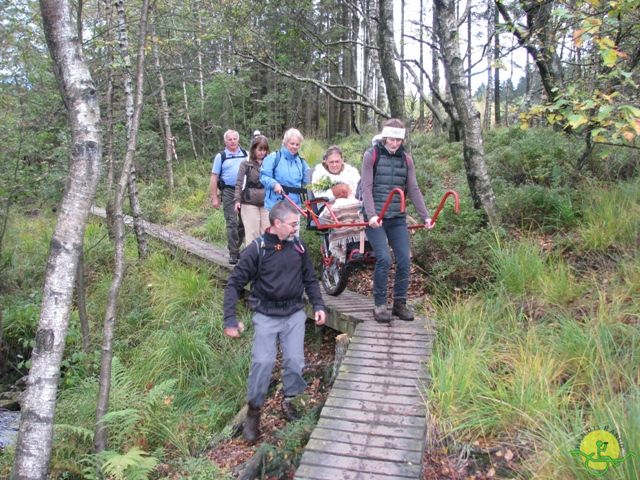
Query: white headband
pixel 392 132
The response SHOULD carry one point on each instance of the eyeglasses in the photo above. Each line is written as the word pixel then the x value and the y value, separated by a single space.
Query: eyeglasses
pixel 291 224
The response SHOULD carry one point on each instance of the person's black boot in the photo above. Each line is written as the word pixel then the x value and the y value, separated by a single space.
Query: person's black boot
pixel 381 314
pixel 291 412
pixel 251 429
pixel 401 310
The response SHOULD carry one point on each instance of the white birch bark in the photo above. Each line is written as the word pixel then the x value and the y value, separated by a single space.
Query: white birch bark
pixel 469 117
pixel 33 449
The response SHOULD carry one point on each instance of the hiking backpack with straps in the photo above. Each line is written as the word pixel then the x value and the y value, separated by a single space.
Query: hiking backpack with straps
pixel 261 248
pixel 375 164
pixel 223 157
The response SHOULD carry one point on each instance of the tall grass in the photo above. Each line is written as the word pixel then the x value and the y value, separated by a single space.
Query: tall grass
pixel 539 382
pixel 612 217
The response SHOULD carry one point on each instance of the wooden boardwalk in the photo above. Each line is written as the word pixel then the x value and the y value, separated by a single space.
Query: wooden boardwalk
pixel 373 424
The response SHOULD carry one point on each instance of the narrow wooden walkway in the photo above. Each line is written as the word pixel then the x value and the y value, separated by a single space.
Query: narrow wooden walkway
pixel 373 424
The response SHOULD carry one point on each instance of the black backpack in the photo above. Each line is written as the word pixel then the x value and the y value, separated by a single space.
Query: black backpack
pixel 223 157
pixel 375 164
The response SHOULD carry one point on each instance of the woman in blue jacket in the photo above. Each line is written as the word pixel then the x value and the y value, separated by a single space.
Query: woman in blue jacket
pixel 284 171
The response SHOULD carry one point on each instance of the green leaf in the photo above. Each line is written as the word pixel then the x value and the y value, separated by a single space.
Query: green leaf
pixel 609 57
pixel 577 120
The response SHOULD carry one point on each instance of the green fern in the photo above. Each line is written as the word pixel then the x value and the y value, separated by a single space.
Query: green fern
pixel 136 464
pixel 84 434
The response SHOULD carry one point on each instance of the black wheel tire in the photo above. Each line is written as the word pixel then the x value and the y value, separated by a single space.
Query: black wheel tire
pixel 334 277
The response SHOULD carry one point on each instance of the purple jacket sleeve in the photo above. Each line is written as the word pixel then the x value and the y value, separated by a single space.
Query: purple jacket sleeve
pixel 366 184
pixel 413 191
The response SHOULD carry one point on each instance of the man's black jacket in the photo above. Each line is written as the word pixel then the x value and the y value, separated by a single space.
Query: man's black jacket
pixel 286 273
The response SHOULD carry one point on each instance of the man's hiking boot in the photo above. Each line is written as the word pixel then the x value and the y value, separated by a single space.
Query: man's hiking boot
pixel 233 259
pixel 290 410
pixel 401 310
pixel 381 314
pixel 251 429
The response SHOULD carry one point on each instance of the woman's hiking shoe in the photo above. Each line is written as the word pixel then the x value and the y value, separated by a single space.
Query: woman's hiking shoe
pixel 251 428
pixel 381 314
pixel 401 310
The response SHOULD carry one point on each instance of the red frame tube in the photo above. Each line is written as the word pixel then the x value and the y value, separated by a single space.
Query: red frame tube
pixel 308 209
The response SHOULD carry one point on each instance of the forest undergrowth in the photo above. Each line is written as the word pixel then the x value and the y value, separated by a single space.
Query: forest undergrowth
pixel 538 338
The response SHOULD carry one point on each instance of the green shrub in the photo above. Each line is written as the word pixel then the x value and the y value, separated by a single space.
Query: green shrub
pixel 530 207
pixel 538 156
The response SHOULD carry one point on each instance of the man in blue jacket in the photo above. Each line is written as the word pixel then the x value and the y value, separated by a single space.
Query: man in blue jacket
pixel 281 271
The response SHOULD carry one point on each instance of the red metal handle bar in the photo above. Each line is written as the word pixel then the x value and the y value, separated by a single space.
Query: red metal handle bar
pixel 456 203
pixel 456 207
pixel 308 210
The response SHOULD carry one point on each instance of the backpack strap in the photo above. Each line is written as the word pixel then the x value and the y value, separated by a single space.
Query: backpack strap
pixel 261 248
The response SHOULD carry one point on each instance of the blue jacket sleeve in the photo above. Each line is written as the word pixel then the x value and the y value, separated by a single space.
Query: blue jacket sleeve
pixel 266 171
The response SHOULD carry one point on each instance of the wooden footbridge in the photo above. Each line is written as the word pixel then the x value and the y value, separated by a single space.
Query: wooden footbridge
pixel 373 424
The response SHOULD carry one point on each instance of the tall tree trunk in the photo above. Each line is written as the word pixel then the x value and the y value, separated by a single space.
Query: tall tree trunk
pixel 100 437
pixel 164 106
pixel 81 303
pixel 469 63
pixel 33 448
pixel 187 113
pixel 386 48
pixel 123 40
pixel 473 152
pixel 496 76
pixel 435 74
pixel 367 61
pixel 421 125
pixel 539 39
pixel 488 97
pixel 108 145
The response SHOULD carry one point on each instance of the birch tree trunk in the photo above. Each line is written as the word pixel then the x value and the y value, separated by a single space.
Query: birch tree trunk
pixel 435 75
pixel 33 448
pixel 488 96
pixel 108 146
pixel 187 113
pixel 81 303
pixel 496 76
pixel 473 152
pixel 100 437
pixel 386 49
pixel 164 105
pixel 123 41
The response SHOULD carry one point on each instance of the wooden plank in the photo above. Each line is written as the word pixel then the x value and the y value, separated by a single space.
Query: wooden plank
pixel 390 342
pixel 363 439
pixel 411 375
pixel 385 356
pixel 406 335
pixel 397 399
pixel 363 451
pixel 382 363
pixel 347 384
pixel 322 472
pixel 397 349
pixel 380 430
pixel 376 418
pixel 379 379
pixel 381 407
pixel 397 326
pixel 363 465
